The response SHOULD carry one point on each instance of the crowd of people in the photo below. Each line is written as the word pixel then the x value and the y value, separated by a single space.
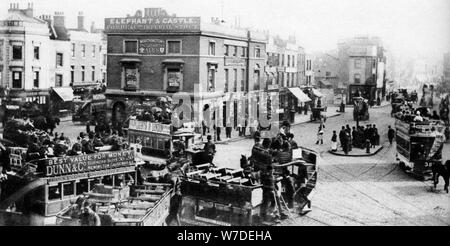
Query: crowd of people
pixel 357 136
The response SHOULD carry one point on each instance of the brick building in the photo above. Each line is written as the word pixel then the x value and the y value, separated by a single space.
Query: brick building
pixel 153 54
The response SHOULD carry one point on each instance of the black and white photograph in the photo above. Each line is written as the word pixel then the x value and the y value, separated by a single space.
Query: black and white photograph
pixel 225 113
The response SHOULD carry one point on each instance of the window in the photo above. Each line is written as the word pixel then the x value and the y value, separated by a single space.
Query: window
pixel 68 189
pixel 282 60
pixel 93 50
pixel 17 52
pixel 288 78
pixel 212 49
pixel 82 73
pixel 130 46
pixel 243 79
pixel 72 74
pixel 357 78
pixel 289 61
pixel 104 60
pixel 93 74
pixel 243 51
pixel 174 78
pixel 235 80
pixel 72 50
pixel 36 52
pixel 174 47
pixel 59 59
pixel 36 79
pixel 257 52
pixel 227 79
pixel 1 50
pixel 227 50
pixel 357 63
pixel 58 80
pixel 83 50
pixel 211 79
pixel 17 80
pixel 235 51
pixel 54 192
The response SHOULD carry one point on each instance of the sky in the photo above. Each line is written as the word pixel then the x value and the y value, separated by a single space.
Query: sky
pixel 406 26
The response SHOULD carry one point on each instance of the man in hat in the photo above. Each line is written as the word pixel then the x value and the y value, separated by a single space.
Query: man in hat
pixel 210 149
pixel 88 217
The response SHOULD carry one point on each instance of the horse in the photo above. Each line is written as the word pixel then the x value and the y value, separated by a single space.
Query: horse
pixel 441 170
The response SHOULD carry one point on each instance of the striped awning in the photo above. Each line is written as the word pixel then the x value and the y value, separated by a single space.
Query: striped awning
pixel 299 94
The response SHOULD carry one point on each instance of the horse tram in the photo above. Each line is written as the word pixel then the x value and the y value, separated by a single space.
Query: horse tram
pixel 222 196
pixel 51 191
pixel 419 146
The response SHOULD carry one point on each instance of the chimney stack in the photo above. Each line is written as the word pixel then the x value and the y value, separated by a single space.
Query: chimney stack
pixel 93 27
pixel 59 19
pixel 80 21
pixel 29 11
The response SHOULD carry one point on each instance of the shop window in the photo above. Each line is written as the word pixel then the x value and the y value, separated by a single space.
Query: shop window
pixel 174 47
pixel 357 78
pixel 36 52
pixel 17 80
pixel 17 52
pixel 36 79
pixel 58 80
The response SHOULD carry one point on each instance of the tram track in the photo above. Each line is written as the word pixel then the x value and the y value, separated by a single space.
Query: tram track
pixel 398 213
pixel 392 194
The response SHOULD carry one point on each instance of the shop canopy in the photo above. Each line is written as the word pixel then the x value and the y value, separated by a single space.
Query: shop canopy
pixel 317 93
pixel 65 93
pixel 302 97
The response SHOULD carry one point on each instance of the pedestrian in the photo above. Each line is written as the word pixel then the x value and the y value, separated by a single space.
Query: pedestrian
pixel 218 132
pixel 88 127
pixel 342 137
pixel 354 137
pixel 334 142
pixel 175 200
pixel 320 136
pixel 348 131
pixel 270 197
pixel 391 134
pixel 288 184
pixel 210 149
pixel 88 217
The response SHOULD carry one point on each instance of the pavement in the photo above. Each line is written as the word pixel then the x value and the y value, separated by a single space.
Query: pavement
pixel 357 152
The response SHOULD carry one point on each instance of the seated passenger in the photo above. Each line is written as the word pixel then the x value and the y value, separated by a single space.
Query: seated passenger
pixel 418 118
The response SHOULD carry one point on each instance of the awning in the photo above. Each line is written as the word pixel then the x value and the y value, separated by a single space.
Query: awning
pixel 173 61
pixel 65 93
pixel 299 94
pixel 317 93
pixel 130 60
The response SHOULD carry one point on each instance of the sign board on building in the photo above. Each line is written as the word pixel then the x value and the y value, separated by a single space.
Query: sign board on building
pixel 281 69
pixel 152 47
pixel 157 24
pixel 88 163
pixel 147 126
pixel 230 61
pixel 363 51
pixel 272 87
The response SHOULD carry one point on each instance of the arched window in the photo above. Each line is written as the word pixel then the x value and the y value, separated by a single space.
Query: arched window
pixel 357 78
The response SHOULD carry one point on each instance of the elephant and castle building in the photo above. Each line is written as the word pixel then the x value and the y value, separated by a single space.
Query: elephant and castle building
pixel 152 54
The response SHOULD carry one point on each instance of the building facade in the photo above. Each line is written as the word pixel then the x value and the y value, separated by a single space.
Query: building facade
pixel 447 68
pixel 37 56
pixel 363 67
pixel 153 54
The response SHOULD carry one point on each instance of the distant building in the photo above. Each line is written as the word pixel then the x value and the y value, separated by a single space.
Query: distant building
pixel 326 70
pixel 309 70
pixel 447 68
pixel 206 60
pixel 362 70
